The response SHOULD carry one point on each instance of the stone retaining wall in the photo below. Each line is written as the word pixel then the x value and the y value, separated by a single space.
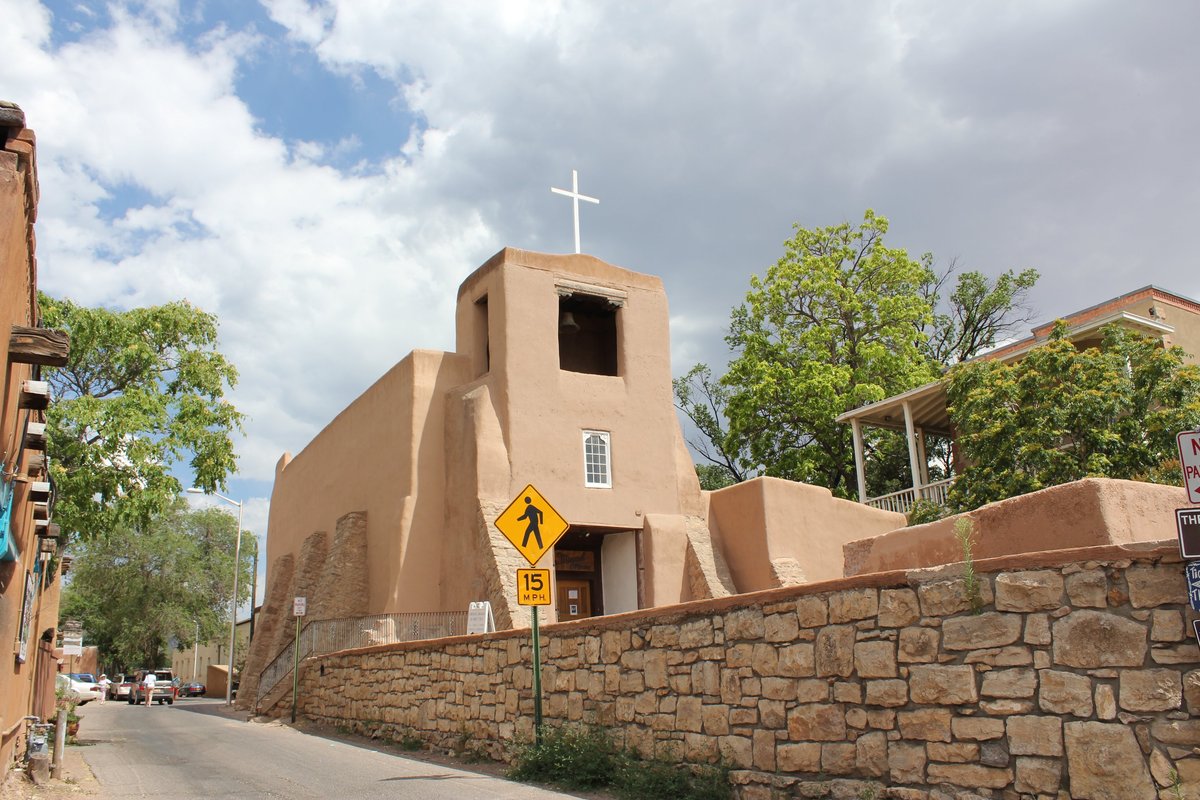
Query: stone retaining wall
pixel 1078 678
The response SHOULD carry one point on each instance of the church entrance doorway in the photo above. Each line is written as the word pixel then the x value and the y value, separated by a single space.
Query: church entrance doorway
pixel 595 573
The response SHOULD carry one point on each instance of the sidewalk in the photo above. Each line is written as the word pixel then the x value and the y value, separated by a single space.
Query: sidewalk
pixel 76 781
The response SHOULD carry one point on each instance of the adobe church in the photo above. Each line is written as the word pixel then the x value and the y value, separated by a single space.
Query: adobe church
pixel 561 378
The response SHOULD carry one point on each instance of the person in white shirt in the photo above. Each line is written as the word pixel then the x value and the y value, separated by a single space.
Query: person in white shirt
pixel 104 683
pixel 149 682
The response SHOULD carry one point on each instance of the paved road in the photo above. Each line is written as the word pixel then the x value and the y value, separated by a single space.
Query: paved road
pixel 195 750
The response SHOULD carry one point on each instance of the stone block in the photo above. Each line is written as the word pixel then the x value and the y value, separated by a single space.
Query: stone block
pixel 1033 590
pixel 847 692
pixel 918 645
pixel 898 607
pixel 992 629
pixel 1174 654
pixel 1065 693
pixel 906 762
pixel 737 751
pixel 1037 629
pixel 817 722
pixel 1094 639
pixel 1088 589
pixel 1038 775
pixel 1166 626
pixel 1182 732
pixel 1153 585
pixel 931 684
pixel 1191 691
pixel 1104 762
pixel 835 651
pixel 1034 736
pixel 871 756
pixel 927 724
pixel 812 691
pixel 943 598
pixel 765 659
pixel 852 605
pixel 802 757
pixel 688 715
pixel 888 693
pixel 881 719
pixel 744 624
pixel 1106 702
pixel 812 612
pixel 1009 683
pixel 797 660
pixel 977 728
pixel 715 720
pixel 839 758
pixel 1150 690
pixel 763 744
pixel 875 659
pixel 972 775
pixel 780 627
pixel 953 752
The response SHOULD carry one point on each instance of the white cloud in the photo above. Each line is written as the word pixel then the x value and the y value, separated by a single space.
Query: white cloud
pixel 1041 135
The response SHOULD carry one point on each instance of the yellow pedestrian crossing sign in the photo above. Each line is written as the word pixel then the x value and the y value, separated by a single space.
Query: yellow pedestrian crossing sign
pixel 531 524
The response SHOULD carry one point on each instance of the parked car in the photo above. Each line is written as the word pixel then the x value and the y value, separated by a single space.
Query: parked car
pixel 119 688
pixel 165 687
pixel 193 689
pixel 76 690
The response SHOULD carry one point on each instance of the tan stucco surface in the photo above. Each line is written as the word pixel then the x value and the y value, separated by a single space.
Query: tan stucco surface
pixel 775 532
pixel 1086 513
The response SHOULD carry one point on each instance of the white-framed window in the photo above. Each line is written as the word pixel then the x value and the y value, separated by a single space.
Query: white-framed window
pixel 597 464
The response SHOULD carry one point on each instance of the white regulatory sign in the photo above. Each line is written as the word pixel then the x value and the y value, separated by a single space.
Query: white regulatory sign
pixel 299 606
pixel 1189 459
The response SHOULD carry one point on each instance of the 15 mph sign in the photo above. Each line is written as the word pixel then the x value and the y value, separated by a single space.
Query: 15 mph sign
pixel 1189 459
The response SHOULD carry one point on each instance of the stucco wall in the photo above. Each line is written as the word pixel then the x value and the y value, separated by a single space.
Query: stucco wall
pixel 1077 679
pixel 774 532
pixel 18 288
pixel 1086 513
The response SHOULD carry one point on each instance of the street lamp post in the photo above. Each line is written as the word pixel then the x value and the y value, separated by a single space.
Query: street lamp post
pixel 237 563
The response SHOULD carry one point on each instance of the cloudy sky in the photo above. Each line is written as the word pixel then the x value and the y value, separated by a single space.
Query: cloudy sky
pixel 323 173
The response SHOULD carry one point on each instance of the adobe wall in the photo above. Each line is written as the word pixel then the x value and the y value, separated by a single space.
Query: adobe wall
pixel 19 195
pixel 1086 513
pixel 775 532
pixel 374 457
pixel 1078 679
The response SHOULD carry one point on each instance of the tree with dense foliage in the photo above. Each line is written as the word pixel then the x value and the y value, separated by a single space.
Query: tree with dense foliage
pixel 841 320
pixel 1061 414
pixel 137 589
pixel 837 322
pixel 142 391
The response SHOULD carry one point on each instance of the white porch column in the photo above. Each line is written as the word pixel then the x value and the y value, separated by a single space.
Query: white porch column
pixel 923 456
pixel 914 462
pixel 856 429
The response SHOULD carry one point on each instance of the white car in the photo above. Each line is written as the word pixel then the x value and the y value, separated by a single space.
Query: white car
pixel 74 689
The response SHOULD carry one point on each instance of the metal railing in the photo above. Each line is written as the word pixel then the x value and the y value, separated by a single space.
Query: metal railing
pixel 331 635
pixel 903 500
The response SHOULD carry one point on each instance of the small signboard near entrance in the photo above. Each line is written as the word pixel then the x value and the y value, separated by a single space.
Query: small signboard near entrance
pixel 299 606
pixel 1189 459
pixel 531 524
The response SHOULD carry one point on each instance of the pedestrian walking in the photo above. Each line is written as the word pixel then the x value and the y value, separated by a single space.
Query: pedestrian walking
pixel 148 682
pixel 104 683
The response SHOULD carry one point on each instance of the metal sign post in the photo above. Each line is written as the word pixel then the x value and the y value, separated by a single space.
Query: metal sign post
pixel 532 525
pixel 299 609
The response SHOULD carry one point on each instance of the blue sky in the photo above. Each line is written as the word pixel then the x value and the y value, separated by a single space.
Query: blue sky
pixel 306 167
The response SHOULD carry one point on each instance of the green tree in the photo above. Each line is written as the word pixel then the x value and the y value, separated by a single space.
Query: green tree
pixel 976 314
pixel 143 390
pixel 703 399
pixel 836 323
pixel 1061 414
pixel 138 588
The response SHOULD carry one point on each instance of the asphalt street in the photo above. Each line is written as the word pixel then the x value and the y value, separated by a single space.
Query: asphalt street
pixel 197 749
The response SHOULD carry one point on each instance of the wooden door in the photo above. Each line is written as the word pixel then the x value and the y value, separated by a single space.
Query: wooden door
pixel 574 599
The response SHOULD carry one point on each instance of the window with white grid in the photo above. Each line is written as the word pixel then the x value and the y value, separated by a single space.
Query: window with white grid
pixel 597 472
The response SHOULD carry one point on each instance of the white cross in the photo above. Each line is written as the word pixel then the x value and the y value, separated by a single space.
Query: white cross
pixel 575 198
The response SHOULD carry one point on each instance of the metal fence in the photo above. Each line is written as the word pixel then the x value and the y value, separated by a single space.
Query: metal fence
pixel 331 635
